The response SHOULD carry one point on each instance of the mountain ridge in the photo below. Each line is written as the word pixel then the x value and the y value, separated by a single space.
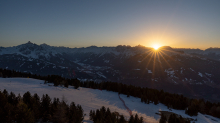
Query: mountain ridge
pixel 166 68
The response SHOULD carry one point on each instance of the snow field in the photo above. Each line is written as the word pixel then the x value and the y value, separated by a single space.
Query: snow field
pixel 92 99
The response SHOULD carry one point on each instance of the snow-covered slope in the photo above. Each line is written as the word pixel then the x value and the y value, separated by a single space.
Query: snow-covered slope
pixel 91 99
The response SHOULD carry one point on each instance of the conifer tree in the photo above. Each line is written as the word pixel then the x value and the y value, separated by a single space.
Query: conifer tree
pixel 23 114
pixel 122 119
pixel 131 120
pixel 163 118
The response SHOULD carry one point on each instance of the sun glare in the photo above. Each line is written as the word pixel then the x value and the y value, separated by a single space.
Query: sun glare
pixel 156 46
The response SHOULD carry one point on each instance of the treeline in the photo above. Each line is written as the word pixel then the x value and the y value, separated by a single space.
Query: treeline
pixel 31 108
pixel 104 115
pixel 173 118
pixel 147 95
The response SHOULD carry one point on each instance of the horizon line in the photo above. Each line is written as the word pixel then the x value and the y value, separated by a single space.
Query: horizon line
pixel 139 45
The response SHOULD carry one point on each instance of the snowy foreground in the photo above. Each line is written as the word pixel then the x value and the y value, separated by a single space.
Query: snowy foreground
pixel 92 99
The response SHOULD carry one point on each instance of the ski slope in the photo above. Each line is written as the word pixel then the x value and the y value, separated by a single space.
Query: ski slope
pixel 92 99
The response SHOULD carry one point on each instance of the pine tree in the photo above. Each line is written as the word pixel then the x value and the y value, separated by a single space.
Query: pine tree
pixel 136 118
pixel 122 119
pixel 9 113
pixel 59 115
pixel 163 118
pixel 80 114
pixel 27 99
pixel 91 115
pixel 141 120
pixel 45 108
pixel 131 120
pixel 23 114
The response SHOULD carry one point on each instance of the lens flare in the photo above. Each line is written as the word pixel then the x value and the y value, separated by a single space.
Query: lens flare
pixel 156 46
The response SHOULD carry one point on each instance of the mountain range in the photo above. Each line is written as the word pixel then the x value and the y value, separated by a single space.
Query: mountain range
pixel 191 72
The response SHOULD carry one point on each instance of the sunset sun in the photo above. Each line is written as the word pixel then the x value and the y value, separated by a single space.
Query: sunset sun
pixel 156 46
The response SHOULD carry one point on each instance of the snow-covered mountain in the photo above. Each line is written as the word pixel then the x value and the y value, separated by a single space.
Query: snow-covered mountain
pixel 211 53
pixel 36 51
pixel 186 71
pixel 198 51
pixel 32 50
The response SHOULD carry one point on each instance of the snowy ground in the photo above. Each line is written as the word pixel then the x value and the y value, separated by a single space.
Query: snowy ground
pixel 94 99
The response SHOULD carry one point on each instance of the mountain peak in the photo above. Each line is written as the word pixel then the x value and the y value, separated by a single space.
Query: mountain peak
pixel 166 48
pixel 29 42
pixel 44 44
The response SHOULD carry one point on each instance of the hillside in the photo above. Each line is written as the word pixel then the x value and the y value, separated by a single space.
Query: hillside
pixel 93 99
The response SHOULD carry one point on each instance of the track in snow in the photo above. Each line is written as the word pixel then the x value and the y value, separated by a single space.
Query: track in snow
pixel 129 111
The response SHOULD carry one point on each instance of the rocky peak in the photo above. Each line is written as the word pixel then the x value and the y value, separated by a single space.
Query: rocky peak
pixel 29 42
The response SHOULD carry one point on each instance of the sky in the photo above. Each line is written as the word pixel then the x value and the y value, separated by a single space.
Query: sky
pixel 82 23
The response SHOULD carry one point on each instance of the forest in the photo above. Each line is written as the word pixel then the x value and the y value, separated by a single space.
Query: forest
pixel 31 108
pixel 147 95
